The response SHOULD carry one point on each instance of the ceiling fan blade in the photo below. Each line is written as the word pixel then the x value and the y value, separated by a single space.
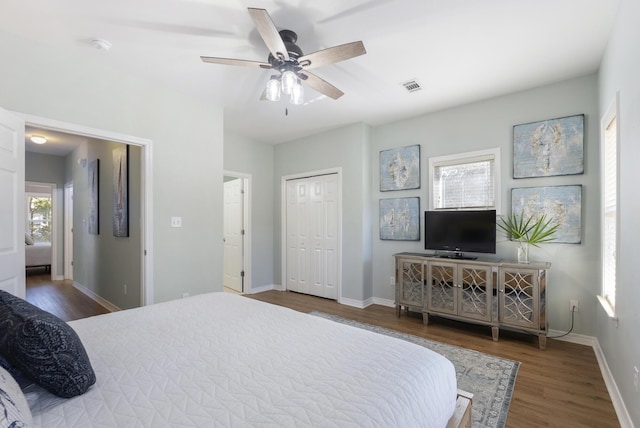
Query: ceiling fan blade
pixel 321 85
pixel 231 61
pixel 269 33
pixel 332 55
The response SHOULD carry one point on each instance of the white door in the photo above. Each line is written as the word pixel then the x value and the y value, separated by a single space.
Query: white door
pixel 233 234
pixel 68 231
pixel 312 236
pixel 12 271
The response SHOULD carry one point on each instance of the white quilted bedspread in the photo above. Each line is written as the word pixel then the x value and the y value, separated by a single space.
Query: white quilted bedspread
pixel 222 360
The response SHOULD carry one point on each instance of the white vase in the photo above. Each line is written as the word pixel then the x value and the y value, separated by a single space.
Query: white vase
pixel 523 252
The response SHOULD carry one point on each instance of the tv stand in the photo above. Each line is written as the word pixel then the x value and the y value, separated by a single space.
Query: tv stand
pixel 496 293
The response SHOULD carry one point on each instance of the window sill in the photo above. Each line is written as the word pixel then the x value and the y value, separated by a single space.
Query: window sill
pixel 608 309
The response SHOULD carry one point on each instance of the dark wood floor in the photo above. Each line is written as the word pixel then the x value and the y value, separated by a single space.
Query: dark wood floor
pixel 559 387
pixel 59 297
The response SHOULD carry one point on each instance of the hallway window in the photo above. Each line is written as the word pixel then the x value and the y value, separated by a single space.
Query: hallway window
pixel 38 212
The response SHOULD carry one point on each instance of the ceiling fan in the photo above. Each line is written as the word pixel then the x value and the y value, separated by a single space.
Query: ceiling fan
pixel 291 64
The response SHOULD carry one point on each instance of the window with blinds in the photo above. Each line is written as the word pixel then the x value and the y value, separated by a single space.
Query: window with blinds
pixel 465 181
pixel 609 211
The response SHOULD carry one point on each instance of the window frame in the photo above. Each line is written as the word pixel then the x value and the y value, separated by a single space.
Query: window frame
pixel 28 221
pixel 611 114
pixel 467 158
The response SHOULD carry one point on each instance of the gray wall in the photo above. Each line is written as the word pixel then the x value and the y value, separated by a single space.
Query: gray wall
pixel 244 156
pixel 489 124
pixel 104 263
pixel 43 168
pixel 348 148
pixel 187 148
pixel 619 73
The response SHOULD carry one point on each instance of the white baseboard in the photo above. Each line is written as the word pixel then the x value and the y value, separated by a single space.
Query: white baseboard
pixel 262 289
pixel 355 303
pixel 384 302
pixel 616 398
pixel 107 304
pixel 579 339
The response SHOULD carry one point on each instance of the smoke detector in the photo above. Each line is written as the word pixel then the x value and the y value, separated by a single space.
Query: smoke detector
pixel 101 44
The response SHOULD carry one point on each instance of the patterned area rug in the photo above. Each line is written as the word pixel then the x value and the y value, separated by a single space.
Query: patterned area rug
pixel 490 379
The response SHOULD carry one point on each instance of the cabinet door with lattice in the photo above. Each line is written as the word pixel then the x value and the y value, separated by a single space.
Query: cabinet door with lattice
pixel 442 287
pixel 410 283
pixel 520 298
pixel 476 292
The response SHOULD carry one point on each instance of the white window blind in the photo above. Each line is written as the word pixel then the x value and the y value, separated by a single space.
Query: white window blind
pixel 610 212
pixel 465 181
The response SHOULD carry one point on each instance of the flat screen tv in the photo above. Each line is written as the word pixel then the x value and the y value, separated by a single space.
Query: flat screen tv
pixel 459 232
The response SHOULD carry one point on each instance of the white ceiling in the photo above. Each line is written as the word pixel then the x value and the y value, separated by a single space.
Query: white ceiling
pixel 459 51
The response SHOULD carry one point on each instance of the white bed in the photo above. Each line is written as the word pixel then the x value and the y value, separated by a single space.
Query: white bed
pixel 38 254
pixel 226 361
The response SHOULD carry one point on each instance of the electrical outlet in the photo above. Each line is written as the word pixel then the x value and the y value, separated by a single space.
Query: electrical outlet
pixel 392 280
pixel 574 305
pixel 185 295
pixel 635 378
pixel 125 288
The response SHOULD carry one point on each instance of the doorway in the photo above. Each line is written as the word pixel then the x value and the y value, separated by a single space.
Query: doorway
pixel 41 227
pixel 237 232
pixel 146 187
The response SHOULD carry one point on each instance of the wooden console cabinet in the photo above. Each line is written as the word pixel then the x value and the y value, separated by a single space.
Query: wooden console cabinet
pixel 490 292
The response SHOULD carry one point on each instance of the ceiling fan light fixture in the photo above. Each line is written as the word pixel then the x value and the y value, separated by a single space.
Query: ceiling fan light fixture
pixel 289 80
pixel 38 139
pixel 273 89
pixel 297 94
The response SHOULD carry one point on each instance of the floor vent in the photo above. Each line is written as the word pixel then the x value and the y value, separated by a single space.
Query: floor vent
pixel 412 86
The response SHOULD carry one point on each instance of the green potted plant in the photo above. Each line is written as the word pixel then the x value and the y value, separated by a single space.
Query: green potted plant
pixel 528 231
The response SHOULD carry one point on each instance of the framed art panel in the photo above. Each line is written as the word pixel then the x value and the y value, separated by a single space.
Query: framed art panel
pixel 400 219
pixel 549 147
pixel 561 203
pixel 400 168
pixel 94 197
pixel 121 191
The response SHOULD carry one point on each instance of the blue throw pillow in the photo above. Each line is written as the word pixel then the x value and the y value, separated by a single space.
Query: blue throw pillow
pixel 43 347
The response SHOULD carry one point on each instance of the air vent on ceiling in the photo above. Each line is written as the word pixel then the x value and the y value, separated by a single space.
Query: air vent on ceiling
pixel 412 86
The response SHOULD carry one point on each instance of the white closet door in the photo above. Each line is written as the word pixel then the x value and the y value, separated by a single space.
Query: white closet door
pixel 312 254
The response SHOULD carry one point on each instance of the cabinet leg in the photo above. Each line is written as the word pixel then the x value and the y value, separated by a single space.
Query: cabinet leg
pixel 542 341
pixel 495 332
pixel 425 318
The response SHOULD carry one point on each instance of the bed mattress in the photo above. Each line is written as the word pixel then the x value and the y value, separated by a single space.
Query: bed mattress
pixel 38 254
pixel 229 361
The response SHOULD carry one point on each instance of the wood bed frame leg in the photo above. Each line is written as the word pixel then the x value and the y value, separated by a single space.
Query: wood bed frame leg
pixel 461 417
pixel 398 310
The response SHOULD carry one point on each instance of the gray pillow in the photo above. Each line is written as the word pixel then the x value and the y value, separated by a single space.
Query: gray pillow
pixel 43 347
